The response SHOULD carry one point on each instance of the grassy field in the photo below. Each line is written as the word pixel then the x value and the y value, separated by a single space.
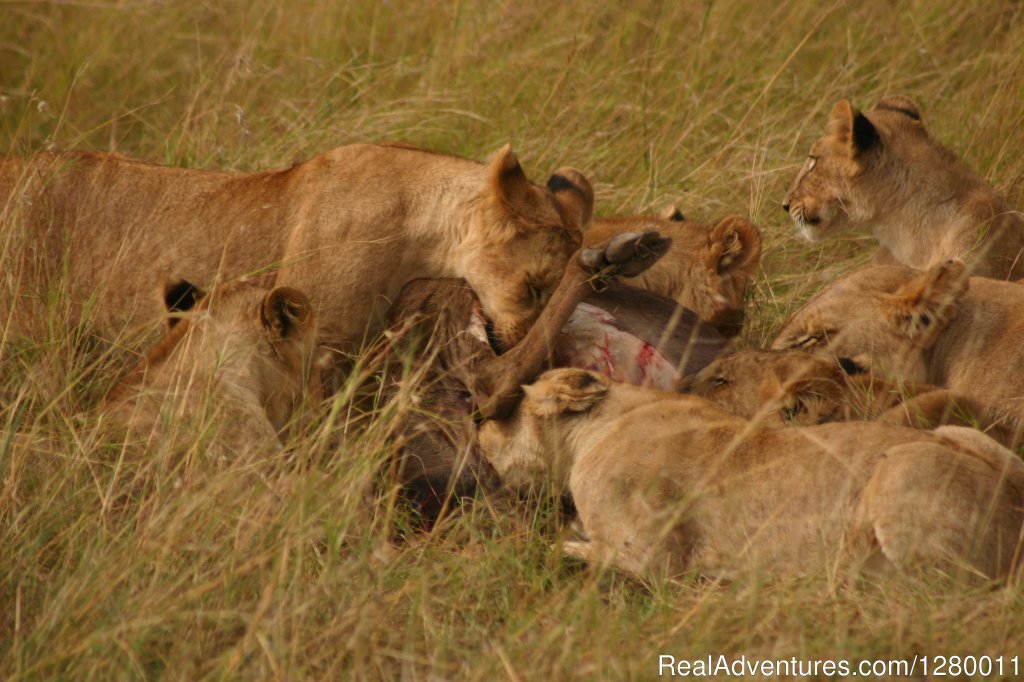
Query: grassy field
pixel 293 575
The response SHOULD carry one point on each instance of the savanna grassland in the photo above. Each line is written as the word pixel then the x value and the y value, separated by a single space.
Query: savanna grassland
pixel 307 569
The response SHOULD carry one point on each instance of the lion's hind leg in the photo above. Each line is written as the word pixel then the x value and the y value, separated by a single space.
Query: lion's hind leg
pixel 927 504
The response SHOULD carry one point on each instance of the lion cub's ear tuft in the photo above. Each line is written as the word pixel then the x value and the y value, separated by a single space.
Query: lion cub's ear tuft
pixel 673 214
pixel 565 390
pixel 574 197
pixel 852 129
pixel 927 303
pixel 180 296
pixel 734 247
pixel 902 105
pixel 286 313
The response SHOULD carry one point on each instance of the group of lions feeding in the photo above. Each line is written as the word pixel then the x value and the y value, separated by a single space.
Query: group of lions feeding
pixel 546 346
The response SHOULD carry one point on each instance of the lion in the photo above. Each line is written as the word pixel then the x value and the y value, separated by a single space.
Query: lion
pixel 667 484
pixel 707 269
pixel 801 388
pixel 237 362
pixel 348 227
pixel 936 327
pixel 881 170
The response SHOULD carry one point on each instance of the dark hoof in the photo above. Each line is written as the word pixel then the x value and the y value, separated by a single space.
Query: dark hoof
pixel 635 253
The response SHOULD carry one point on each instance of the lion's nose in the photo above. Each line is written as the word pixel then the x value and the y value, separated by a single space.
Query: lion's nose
pixel 785 207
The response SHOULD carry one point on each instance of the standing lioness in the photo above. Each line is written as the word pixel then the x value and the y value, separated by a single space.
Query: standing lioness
pixel 348 227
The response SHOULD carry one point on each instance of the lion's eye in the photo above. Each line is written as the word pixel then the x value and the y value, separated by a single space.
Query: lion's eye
pixel 811 339
pixel 536 292
pixel 718 382
pixel 794 410
pixel 818 336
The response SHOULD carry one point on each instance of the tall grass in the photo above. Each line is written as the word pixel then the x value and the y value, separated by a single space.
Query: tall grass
pixel 290 568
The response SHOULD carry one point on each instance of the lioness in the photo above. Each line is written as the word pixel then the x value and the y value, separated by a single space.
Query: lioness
pixel 666 483
pixel 796 387
pixel 937 327
pixel 707 268
pixel 348 227
pixel 881 170
pixel 236 364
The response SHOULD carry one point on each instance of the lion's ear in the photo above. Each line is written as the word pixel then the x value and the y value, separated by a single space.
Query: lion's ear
pixel 927 303
pixel 508 182
pixel 565 390
pixel 673 214
pixel 286 313
pixel 180 296
pixel 852 129
pixel 734 246
pixel 574 197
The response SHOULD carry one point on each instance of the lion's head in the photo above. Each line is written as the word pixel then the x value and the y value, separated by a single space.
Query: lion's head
pixel 707 268
pixel 867 165
pixel 246 350
pixel 890 314
pixel 776 387
pixel 525 449
pixel 520 238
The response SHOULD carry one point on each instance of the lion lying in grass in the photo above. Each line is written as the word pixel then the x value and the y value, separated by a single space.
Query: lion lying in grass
pixel 936 327
pixel 234 365
pixel 800 388
pixel 667 484
pixel 348 227
pixel 881 170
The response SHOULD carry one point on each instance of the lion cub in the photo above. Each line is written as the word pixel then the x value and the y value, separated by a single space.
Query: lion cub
pixel 666 483
pixel 881 170
pixel 707 269
pixel 234 363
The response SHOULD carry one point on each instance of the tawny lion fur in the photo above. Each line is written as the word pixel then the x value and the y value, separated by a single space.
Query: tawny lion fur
pixel 881 170
pixel 667 483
